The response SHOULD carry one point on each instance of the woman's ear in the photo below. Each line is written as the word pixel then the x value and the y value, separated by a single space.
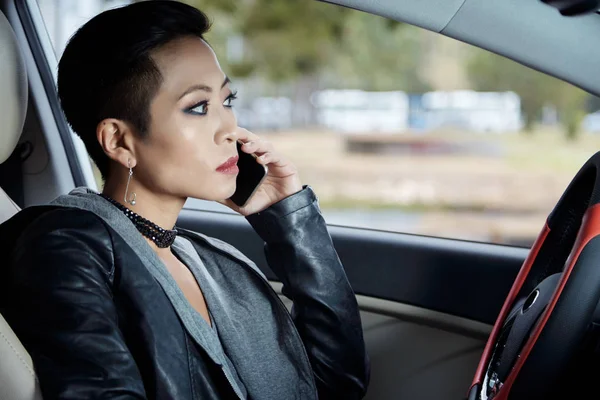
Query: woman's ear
pixel 116 139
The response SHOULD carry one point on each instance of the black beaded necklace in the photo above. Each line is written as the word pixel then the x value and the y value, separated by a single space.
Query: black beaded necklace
pixel 161 237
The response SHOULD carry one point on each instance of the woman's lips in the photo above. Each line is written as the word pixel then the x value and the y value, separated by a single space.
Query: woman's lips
pixel 230 166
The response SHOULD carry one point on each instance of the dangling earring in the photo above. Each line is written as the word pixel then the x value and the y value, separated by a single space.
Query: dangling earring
pixel 131 200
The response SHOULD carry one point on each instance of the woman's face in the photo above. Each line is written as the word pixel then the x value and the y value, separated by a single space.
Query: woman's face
pixel 192 132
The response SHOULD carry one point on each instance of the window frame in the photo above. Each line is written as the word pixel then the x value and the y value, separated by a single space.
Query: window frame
pixel 39 42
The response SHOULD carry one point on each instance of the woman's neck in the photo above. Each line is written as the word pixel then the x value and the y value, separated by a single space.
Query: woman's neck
pixel 160 208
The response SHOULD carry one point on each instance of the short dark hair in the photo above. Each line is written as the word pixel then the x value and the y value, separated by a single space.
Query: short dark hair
pixel 106 70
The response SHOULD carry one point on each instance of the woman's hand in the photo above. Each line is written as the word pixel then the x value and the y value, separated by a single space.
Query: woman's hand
pixel 282 179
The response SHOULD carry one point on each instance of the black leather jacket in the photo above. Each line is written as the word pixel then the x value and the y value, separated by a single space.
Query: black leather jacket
pixel 76 295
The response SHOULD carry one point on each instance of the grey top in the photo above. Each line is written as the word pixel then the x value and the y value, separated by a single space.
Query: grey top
pixel 186 252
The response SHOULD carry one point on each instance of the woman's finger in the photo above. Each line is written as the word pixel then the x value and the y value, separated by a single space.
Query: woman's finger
pixel 245 135
pixel 272 158
pixel 258 147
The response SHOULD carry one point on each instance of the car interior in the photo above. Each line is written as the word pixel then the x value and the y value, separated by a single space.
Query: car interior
pixel 428 304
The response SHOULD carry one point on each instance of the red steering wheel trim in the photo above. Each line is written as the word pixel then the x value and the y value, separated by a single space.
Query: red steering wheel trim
pixel 589 229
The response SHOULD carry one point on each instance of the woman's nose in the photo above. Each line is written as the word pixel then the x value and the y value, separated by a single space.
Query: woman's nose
pixel 230 135
pixel 228 126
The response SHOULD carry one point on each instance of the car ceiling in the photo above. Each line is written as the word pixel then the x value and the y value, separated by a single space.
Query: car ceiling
pixel 528 31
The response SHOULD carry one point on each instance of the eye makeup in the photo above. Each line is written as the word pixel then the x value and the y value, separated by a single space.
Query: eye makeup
pixel 201 108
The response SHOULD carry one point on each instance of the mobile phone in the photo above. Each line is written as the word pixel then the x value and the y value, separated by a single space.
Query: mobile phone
pixel 249 178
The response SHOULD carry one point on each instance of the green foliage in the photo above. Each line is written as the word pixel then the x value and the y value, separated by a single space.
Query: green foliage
pixel 288 39
pixel 377 55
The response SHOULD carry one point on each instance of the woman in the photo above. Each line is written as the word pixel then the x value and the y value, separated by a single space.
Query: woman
pixel 112 303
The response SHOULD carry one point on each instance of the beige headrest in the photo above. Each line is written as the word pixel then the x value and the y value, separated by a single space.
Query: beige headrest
pixel 13 90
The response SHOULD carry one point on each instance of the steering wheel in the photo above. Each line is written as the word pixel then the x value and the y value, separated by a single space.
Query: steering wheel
pixel 550 307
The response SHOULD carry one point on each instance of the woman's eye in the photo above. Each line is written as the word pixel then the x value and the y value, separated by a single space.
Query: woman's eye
pixel 229 100
pixel 199 109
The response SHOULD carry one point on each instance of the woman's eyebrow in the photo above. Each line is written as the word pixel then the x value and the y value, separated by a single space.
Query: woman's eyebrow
pixel 225 82
pixel 203 87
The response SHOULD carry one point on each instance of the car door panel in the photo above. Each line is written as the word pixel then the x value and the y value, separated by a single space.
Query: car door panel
pixel 414 360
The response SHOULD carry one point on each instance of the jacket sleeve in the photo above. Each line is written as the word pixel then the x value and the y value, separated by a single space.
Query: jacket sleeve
pixel 61 308
pixel 300 252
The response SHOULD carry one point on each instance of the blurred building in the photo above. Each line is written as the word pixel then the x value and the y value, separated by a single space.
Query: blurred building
pixel 495 112
pixel 357 111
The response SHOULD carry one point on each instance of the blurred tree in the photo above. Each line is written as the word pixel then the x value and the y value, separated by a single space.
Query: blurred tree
pixel 571 103
pixel 377 54
pixel 290 39
pixel 491 72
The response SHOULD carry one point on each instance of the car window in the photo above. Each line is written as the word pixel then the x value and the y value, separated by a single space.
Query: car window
pixel 395 127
